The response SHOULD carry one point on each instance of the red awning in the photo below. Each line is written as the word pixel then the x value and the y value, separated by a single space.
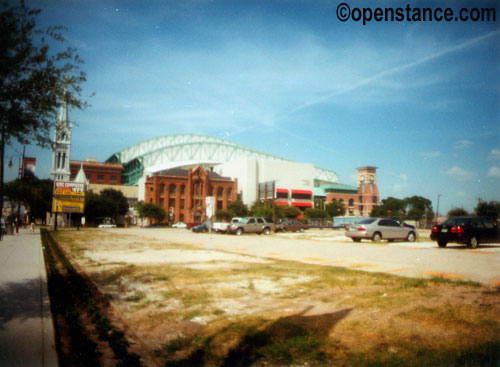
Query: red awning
pixel 307 192
pixel 284 191
pixel 307 205
pixel 282 203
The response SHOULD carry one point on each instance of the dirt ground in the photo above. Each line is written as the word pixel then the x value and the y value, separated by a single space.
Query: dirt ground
pixel 208 306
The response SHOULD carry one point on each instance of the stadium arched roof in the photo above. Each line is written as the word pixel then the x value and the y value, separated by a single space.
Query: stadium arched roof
pixel 190 147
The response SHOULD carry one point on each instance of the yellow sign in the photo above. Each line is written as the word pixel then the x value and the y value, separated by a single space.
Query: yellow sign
pixel 69 205
pixel 69 197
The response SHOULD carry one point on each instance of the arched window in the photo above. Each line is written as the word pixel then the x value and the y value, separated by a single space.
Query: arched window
pixel 171 189
pixel 351 202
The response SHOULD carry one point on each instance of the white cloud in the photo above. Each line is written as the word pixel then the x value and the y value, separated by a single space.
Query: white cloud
pixel 430 154
pixel 494 172
pixel 494 155
pixel 459 174
pixel 462 144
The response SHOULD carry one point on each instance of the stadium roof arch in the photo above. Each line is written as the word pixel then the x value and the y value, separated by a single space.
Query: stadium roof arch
pixel 190 147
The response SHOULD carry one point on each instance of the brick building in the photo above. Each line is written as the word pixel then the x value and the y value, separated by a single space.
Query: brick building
pixel 182 192
pixel 98 173
pixel 358 201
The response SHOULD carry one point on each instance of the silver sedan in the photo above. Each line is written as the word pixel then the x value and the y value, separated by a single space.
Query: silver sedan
pixel 377 229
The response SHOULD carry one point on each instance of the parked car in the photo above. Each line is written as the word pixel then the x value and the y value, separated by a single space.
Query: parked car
pixel 107 225
pixel 378 229
pixel 200 228
pixel 192 224
pixel 470 231
pixel 179 225
pixel 292 225
pixel 252 225
pixel 223 227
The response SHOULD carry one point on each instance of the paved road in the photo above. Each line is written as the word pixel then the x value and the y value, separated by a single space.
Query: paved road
pixel 419 259
pixel 26 328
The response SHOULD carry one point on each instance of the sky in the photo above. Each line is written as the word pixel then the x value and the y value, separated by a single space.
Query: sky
pixel 418 100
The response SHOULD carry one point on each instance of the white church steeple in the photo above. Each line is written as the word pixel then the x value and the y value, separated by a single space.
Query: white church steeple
pixel 62 145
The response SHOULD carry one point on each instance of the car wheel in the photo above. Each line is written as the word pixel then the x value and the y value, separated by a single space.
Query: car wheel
pixel 266 231
pixel 376 237
pixel 239 231
pixel 473 242
pixel 442 243
pixel 411 237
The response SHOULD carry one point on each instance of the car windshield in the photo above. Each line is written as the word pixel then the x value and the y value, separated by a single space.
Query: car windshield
pixel 366 221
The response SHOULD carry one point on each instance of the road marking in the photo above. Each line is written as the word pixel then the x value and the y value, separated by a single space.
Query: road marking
pixel 443 275
pixel 396 270
pixel 361 265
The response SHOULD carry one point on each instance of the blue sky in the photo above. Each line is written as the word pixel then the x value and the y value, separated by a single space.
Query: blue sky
pixel 419 100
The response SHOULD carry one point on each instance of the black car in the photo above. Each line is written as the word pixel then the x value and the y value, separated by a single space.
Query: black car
pixel 467 230
pixel 200 228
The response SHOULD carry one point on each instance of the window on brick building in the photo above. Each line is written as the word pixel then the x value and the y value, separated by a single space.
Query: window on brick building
pixel 112 178
pixel 351 202
pixel 183 188
pixel 171 189
pixel 182 204
pixel 210 191
pixel 228 192
pixel 100 177
pixel 374 200
pixel 220 190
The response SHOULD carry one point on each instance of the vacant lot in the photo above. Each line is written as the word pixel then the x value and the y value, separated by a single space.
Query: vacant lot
pixel 198 306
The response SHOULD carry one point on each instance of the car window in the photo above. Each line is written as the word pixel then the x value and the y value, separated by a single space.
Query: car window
pixel 488 224
pixel 476 223
pixel 388 223
pixel 260 221
pixel 366 221
pixel 251 221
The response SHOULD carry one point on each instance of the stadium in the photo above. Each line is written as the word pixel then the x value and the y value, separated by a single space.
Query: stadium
pixel 257 173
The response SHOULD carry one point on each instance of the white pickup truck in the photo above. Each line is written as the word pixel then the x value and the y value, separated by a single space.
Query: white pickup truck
pixel 222 227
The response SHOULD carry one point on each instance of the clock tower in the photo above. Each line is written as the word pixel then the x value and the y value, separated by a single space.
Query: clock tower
pixel 61 147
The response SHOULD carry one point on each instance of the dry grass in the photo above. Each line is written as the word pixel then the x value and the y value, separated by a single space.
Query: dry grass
pixel 289 313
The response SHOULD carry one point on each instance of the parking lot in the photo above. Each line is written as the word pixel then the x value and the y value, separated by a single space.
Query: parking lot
pixel 330 247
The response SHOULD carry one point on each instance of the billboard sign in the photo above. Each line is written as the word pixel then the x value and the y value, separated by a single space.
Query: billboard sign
pixel 29 166
pixel 69 197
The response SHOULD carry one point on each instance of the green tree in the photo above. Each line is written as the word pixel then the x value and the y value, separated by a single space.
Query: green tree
pixel 417 207
pixel 237 209
pixel 291 212
pixel 223 215
pixel 489 210
pixel 313 213
pixel 33 81
pixel 390 208
pixel 109 204
pixel 335 208
pixel 458 212
pixel 154 212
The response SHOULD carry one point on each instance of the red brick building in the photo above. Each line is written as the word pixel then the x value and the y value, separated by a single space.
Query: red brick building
pixel 182 192
pixel 98 173
pixel 358 201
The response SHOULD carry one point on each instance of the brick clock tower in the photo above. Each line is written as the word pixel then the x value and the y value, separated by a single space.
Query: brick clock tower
pixel 367 190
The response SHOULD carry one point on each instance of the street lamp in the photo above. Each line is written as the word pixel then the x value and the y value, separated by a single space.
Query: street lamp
pixel 20 177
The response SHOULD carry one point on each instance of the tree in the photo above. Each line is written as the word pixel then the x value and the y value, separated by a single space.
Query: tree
pixel 417 207
pixel 109 204
pixel 154 212
pixel 33 81
pixel 489 210
pixel 390 208
pixel 223 215
pixel 237 209
pixel 291 212
pixel 335 208
pixel 458 212
pixel 313 213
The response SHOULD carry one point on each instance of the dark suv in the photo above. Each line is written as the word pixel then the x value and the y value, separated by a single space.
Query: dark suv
pixel 467 230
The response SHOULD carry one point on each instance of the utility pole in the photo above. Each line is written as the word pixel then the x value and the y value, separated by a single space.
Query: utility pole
pixel 437 207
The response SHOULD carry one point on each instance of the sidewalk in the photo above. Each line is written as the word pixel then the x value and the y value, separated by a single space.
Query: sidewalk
pixel 26 328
